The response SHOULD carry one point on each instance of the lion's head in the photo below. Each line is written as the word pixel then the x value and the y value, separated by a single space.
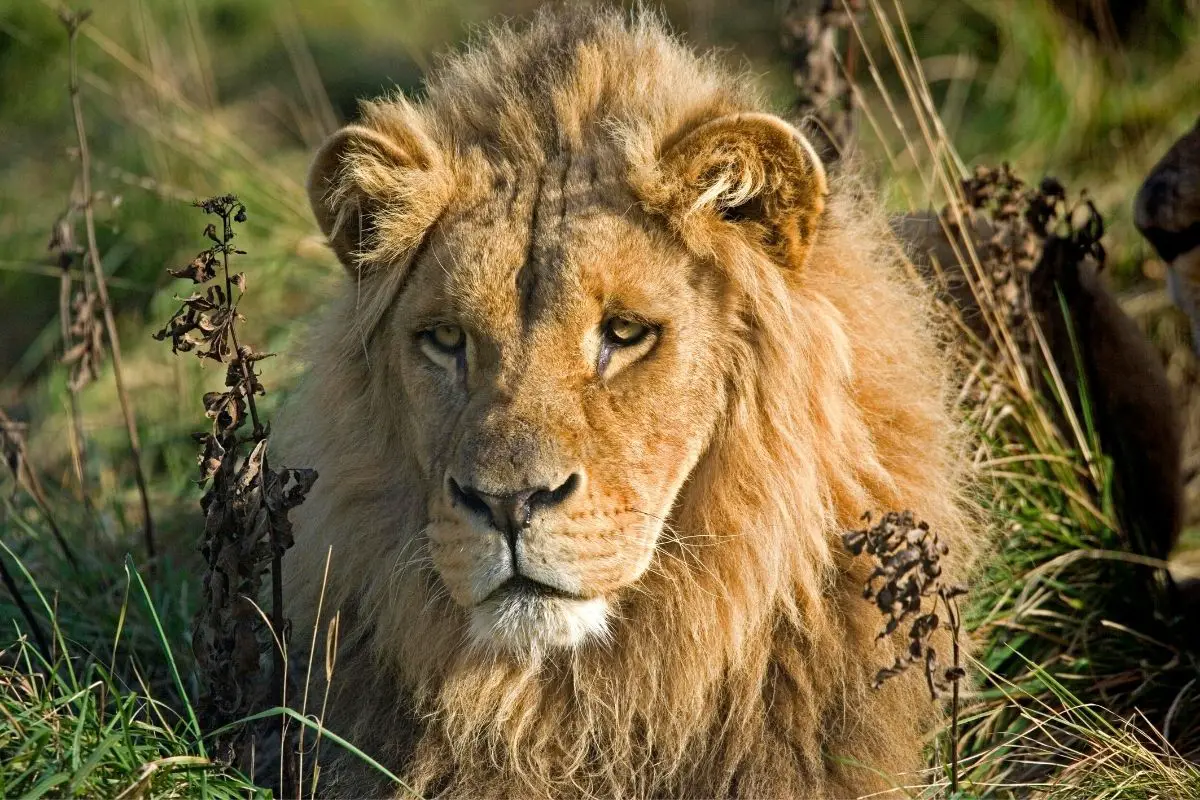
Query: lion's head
pixel 562 341
pixel 613 368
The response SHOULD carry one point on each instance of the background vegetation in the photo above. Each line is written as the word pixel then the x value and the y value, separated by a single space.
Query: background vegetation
pixel 190 98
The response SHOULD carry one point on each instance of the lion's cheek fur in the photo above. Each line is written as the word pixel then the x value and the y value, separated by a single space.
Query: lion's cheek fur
pixel 469 564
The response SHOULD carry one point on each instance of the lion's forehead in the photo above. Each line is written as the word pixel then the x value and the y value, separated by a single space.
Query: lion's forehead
pixel 553 243
pixel 565 183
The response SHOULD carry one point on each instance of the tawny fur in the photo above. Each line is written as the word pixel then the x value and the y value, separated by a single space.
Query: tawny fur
pixel 739 662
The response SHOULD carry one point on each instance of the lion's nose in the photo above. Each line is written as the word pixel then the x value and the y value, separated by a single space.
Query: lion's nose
pixel 513 511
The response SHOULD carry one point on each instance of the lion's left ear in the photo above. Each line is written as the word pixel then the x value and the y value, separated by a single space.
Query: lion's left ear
pixel 752 171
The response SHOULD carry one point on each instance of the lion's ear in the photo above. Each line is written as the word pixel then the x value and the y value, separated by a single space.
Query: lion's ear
pixel 753 171
pixel 376 188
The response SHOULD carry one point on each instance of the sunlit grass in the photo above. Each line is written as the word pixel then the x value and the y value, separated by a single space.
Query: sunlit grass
pixel 1063 619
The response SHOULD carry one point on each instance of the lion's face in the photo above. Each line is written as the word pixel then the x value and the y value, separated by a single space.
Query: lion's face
pixel 561 383
pixel 560 341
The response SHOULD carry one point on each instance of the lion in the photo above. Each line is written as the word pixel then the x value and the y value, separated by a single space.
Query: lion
pixel 615 366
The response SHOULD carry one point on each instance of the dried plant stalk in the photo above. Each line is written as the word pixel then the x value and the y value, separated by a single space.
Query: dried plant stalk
pixel 83 343
pixel 245 505
pixel 15 454
pixel 35 627
pixel 908 570
pixel 72 22
pixel 823 80
pixel 1013 224
pixel 12 451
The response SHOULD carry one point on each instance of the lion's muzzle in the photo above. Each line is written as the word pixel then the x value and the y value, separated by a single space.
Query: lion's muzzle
pixel 518 520
pixel 503 558
pixel 512 512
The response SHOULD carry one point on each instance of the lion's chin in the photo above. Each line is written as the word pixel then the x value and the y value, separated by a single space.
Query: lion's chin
pixel 528 625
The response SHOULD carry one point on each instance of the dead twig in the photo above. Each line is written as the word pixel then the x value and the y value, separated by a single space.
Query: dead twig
pixel 909 570
pixel 16 457
pixel 83 344
pixel 35 627
pixel 246 504
pixel 72 22
pixel 823 79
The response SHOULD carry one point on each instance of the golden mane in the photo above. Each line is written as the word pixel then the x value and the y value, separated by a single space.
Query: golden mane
pixel 743 665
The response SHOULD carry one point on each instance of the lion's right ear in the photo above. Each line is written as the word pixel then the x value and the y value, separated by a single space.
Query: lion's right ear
pixel 751 175
pixel 376 188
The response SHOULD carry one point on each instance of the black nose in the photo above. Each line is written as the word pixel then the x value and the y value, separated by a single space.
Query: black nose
pixel 509 513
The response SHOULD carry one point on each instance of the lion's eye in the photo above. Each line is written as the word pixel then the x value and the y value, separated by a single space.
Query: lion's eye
pixel 621 332
pixel 447 338
pixel 446 346
pixel 623 341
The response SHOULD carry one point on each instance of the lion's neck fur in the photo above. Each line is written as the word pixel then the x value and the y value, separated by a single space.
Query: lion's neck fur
pixel 746 609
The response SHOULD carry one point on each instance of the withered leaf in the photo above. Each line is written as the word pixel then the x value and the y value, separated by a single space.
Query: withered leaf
pixel 247 353
pixel 203 268
pixel 77 351
pixel 889 672
pixel 198 302
pixel 930 679
pixel 211 455
pixel 907 554
pixel 62 241
pixel 252 466
pixel 226 409
pixel 216 295
pixel 302 480
pixel 246 502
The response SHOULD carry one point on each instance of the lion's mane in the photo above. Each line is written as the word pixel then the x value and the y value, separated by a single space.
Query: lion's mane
pixel 743 665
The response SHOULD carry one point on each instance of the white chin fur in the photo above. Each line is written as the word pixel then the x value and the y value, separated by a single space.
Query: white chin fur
pixel 528 626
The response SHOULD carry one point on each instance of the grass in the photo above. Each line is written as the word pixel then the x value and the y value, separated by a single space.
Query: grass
pixel 1063 618
pixel 1065 613
pixel 189 99
pixel 1082 752
pixel 1013 82
pixel 79 725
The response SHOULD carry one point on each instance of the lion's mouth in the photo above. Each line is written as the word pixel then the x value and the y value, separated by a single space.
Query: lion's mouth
pixel 520 586
pixel 526 617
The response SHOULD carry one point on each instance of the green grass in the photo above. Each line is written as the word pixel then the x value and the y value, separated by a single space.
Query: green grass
pixel 1063 618
pixel 1094 757
pixel 187 99
pixel 81 723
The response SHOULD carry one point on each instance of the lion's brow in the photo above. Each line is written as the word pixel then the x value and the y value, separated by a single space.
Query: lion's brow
pixel 538 256
pixel 527 273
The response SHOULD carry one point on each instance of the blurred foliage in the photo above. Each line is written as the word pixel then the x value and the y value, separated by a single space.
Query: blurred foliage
pixel 1014 79
pixel 1017 81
